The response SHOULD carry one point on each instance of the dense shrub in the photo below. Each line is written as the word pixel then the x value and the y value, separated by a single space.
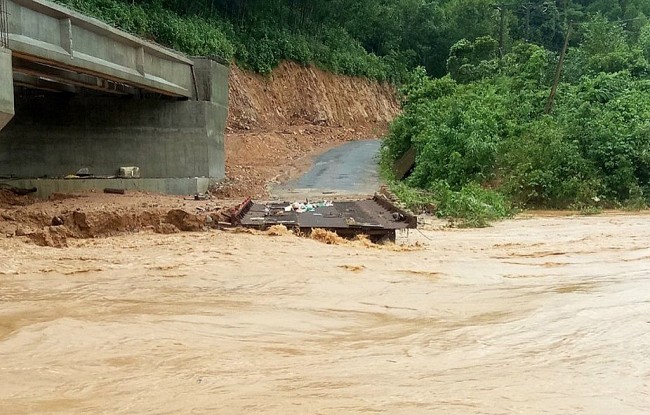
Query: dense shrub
pixel 491 132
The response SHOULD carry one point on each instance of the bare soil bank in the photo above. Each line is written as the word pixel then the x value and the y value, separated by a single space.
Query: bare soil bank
pixel 93 215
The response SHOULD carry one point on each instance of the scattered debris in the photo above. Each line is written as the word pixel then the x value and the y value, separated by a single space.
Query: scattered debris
pixel 63 196
pixel 129 172
pixel 52 223
pixel 202 196
pixel 83 172
pixel 114 191
pixel 353 268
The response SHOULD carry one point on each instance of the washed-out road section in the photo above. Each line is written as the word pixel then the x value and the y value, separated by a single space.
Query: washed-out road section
pixel 349 169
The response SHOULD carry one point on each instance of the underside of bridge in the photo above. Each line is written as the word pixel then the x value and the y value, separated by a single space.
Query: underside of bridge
pixel 77 94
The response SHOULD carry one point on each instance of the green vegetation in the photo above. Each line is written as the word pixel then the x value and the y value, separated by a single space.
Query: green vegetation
pixel 484 126
pixel 476 75
pixel 471 206
pixel 380 39
pixel 257 34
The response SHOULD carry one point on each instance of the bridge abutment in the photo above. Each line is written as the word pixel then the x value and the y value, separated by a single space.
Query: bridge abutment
pixel 172 142
pixel 6 87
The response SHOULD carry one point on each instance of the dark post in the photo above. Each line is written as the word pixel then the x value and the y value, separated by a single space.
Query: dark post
pixel 528 22
pixel 558 72
pixel 502 29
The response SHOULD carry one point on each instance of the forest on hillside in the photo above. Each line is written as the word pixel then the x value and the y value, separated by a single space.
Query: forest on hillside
pixel 476 78
pixel 381 39
pixel 490 139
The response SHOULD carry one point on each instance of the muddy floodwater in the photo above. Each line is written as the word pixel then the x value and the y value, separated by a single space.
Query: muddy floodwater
pixel 532 316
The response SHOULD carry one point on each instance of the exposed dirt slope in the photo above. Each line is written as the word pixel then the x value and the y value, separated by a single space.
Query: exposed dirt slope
pixel 277 121
pixel 296 95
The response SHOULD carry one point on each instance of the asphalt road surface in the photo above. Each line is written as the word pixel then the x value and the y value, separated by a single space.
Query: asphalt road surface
pixel 350 169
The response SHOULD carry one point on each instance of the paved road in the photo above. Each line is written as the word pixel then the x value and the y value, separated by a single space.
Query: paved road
pixel 351 168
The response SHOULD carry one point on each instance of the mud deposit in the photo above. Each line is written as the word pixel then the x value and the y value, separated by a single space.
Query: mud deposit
pixel 95 215
pixel 532 316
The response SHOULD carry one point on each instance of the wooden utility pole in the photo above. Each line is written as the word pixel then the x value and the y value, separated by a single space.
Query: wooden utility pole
pixel 502 29
pixel 558 71
pixel 527 23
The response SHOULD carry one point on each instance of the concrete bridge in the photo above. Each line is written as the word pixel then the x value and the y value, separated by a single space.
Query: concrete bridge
pixel 83 94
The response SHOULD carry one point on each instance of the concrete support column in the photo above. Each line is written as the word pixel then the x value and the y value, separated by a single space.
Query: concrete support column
pixel 6 88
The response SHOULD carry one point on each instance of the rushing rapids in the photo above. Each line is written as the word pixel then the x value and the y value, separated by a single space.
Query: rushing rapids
pixel 531 316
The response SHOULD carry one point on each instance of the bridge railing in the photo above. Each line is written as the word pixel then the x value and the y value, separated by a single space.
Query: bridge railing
pixel 44 35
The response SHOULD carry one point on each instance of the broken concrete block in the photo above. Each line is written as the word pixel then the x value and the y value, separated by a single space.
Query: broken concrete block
pixel 129 172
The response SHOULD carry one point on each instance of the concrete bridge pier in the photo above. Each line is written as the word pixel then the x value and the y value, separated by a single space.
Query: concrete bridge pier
pixel 6 87
pixel 177 144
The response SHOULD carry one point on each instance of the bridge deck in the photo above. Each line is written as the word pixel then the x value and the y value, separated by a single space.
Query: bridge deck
pixel 51 43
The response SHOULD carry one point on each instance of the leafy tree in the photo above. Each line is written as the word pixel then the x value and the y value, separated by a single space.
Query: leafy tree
pixel 491 131
pixel 470 61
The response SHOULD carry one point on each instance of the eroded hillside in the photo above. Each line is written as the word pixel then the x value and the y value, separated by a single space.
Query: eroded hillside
pixel 276 121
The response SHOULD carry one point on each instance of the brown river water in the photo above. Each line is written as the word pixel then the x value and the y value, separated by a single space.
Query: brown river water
pixel 547 315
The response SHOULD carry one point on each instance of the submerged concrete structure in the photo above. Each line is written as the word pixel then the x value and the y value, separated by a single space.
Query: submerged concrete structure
pixel 84 95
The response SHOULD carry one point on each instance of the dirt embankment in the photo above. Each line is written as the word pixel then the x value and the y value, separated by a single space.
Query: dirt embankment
pixel 90 215
pixel 296 95
pixel 276 122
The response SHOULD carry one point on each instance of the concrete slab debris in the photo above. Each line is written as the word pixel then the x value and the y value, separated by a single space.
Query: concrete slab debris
pixel 377 217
